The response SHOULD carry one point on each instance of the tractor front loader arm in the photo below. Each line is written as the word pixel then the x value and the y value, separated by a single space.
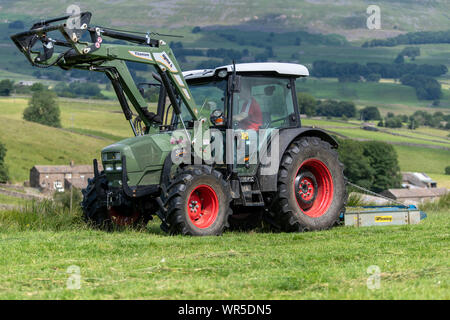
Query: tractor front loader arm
pixel 94 55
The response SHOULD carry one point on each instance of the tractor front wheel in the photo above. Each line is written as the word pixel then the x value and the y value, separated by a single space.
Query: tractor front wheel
pixel 94 203
pixel 197 202
pixel 97 214
pixel 311 187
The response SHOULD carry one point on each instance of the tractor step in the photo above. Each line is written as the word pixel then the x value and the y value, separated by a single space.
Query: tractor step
pixel 251 195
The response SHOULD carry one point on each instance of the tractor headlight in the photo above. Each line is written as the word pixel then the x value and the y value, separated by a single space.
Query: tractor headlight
pixel 112 161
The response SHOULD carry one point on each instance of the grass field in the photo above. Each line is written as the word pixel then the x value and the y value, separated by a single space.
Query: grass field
pixel 389 97
pixel 29 144
pixel 147 264
pixel 4 199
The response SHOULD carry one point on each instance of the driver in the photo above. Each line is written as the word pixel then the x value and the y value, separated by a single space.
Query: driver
pixel 250 116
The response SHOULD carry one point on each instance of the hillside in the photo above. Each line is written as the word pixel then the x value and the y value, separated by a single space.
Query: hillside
pixel 29 143
pixel 324 16
pixel 88 126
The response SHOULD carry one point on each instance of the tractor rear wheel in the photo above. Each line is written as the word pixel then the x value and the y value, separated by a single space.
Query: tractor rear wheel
pixel 197 202
pixel 311 187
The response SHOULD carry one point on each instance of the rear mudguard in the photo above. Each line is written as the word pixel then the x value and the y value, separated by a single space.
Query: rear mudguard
pixel 268 183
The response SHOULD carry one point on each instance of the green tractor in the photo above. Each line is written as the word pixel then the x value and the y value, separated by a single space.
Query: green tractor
pixel 224 147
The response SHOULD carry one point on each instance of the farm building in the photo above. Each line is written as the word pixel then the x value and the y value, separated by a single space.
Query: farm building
pixel 415 195
pixel 417 180
pixel 57 178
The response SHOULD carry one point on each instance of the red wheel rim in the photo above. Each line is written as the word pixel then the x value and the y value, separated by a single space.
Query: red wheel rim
pixel 121 218
pixel 314 189
pixel 203 206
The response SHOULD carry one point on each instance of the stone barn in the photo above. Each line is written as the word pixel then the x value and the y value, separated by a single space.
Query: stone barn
pixel 57 178
pixel 416 195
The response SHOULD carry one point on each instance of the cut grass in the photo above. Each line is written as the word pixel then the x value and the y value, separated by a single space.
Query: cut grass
pixel 316 265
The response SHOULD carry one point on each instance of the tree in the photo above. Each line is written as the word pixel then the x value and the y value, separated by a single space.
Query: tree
pixel 6 87
pixel 38 87
pixel 43 109
pixel 393 122
pixel 307 104
pixel 4 177
pixel 427 88
pixel 399 60
pixel 357 166
pixel 80 89
pixel 373 77
pixel 411 52
pixel 413 124
pixel 447 170
pixel 383 160
pixel 370 113
pixel 333 108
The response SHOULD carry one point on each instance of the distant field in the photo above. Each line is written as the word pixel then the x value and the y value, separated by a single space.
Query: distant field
pixel 79 114
pixel 327 123
pixel 382 136
pixel 419 159
pixel 389 97
pixel 29 144
pixel 411 158
pixel 142 15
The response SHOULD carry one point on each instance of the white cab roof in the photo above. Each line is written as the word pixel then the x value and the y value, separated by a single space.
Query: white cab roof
pixel 288 69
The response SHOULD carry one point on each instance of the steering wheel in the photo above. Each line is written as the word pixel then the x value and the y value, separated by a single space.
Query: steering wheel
pixel 282 118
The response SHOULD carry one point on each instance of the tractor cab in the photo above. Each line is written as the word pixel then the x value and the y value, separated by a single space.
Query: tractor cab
pixel 248 96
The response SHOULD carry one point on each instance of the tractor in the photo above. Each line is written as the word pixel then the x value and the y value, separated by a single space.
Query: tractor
pixel 224 148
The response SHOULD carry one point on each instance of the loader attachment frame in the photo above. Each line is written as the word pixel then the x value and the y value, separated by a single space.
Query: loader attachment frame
pixel 94 55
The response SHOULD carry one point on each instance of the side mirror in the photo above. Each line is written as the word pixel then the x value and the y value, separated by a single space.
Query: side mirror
pixel 217 118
